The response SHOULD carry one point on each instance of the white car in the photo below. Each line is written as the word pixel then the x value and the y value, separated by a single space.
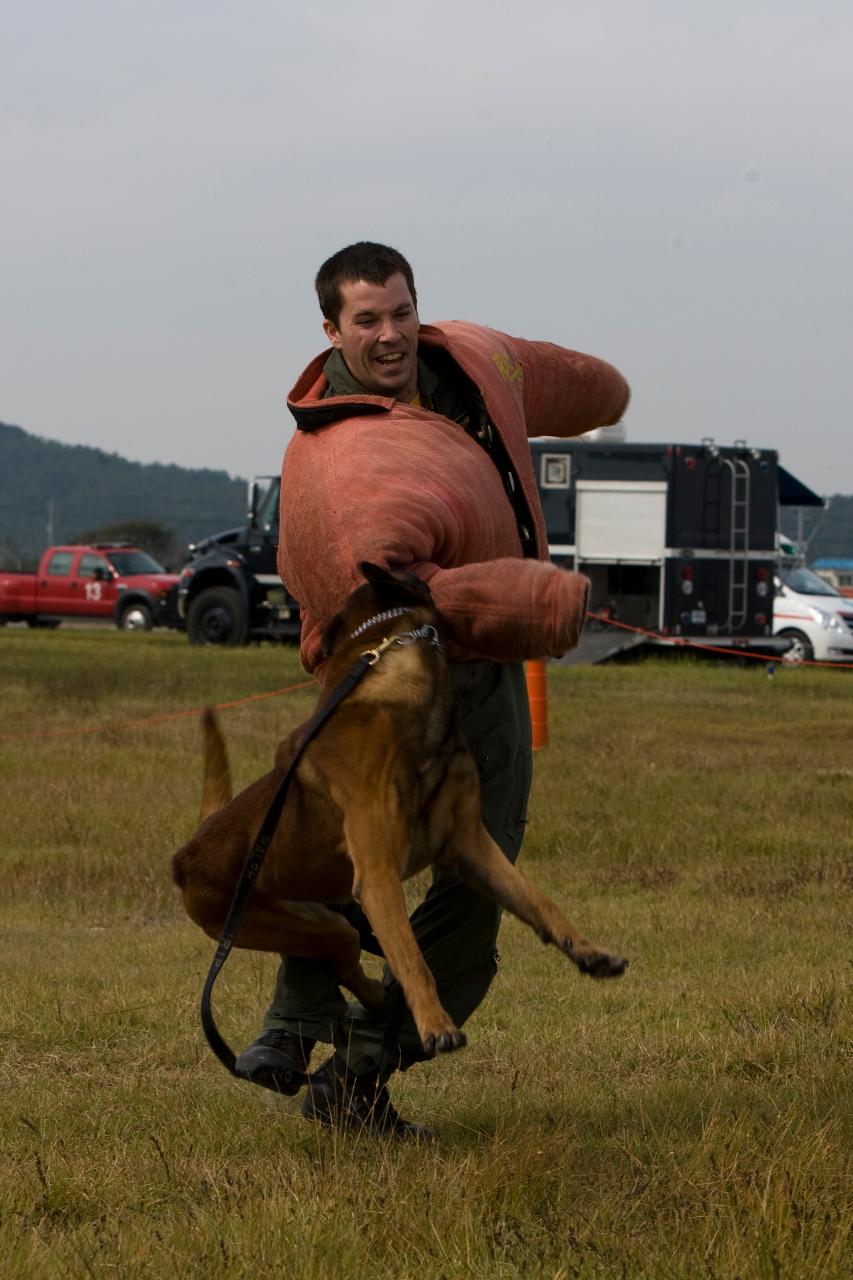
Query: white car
pixel 814 616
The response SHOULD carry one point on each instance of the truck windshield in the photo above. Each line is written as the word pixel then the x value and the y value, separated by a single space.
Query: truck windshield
pixel 807 583
pixel 128 563
pixel 266 503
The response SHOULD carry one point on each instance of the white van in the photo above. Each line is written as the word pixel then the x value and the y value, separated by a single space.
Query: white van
pixel 814 616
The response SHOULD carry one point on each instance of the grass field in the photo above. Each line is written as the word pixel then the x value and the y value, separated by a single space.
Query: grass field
pixel 691 1120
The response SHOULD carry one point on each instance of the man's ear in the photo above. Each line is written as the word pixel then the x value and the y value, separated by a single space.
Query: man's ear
pixel 331 331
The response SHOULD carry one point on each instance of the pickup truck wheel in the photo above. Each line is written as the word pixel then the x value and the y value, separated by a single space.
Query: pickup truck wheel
pixel 136 617
pixel 43 624
pixel 801 647
pixel 217 616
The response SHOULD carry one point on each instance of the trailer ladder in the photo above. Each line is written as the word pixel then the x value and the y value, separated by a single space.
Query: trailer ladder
pixel 738 540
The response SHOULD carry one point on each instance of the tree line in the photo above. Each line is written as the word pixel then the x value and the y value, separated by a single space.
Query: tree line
pixel 53 492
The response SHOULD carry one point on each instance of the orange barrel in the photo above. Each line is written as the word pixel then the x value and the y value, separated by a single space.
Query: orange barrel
pixel 537 696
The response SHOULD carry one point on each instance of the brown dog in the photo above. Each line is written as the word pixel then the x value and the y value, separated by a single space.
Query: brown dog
pixel 387 788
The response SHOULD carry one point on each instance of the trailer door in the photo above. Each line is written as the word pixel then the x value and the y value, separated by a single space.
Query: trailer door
pixel 621 544
pixel 621 521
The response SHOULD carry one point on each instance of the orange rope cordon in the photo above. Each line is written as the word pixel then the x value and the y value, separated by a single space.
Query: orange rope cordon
pixel 171 715
pixel 679 642
pixel 539 692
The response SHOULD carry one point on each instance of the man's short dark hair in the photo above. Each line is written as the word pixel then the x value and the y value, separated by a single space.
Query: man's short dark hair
pixel 375 263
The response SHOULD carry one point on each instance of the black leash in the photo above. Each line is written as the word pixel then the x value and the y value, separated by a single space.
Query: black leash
pixel 223 1051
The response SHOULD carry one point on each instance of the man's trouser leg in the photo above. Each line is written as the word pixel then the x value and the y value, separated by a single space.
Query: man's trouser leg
pixel 455 926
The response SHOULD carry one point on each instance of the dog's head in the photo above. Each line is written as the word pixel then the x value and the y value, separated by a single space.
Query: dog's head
pixel 383 589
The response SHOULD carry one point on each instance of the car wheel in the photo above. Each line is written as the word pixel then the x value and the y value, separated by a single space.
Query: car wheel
pixel 217 616
pixel 136 617
pixel 801 647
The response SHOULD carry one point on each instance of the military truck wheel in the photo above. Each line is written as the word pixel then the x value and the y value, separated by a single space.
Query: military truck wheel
pixel 135 617
pixel 217 616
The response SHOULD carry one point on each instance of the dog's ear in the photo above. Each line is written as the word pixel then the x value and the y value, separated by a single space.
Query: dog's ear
pixel 374 573
pixel 330 635
pixel 390 584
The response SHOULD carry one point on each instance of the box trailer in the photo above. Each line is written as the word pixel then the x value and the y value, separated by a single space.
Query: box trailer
pixel 677 539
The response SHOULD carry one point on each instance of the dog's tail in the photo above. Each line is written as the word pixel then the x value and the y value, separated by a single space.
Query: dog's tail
pixel 217 790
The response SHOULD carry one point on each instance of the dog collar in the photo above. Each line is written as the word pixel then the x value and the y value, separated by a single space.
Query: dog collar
pixel 426 632
pixel 378 617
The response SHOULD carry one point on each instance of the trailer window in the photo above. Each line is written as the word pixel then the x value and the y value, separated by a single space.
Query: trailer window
pixel 555 471
pixel 60 564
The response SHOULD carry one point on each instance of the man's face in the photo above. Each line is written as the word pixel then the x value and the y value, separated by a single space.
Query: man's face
pixel 377 335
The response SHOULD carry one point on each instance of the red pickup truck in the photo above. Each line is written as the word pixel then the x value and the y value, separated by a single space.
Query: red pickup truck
pixel 104 580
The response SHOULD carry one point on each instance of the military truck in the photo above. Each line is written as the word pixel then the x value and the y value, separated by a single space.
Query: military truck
pixel 229 591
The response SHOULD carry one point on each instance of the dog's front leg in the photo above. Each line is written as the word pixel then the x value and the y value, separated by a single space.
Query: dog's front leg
pixel 380 893
pixel 477 860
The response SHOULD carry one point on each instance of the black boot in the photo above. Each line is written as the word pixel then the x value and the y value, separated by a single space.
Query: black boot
pixel 336 1097
pixel 277 1060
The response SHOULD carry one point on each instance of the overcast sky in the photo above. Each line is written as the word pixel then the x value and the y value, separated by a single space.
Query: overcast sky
pixel 664 183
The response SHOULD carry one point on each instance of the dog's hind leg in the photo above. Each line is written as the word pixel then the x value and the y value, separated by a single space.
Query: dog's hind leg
pixel 306 929
pixel 477 860
pixel 375 853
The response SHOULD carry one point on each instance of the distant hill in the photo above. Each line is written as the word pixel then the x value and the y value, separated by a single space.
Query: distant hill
pixel 88 487
pixel 827 533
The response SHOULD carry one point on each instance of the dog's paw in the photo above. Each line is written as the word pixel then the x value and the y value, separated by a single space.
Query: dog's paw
pixel 444 1042
pixel 602 964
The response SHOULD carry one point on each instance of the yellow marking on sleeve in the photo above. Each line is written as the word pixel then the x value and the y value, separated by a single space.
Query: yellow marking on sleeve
pixel 510 370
